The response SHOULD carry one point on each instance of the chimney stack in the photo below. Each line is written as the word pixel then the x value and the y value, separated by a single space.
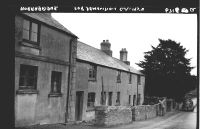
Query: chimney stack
pixel 105 47
pixel 123 56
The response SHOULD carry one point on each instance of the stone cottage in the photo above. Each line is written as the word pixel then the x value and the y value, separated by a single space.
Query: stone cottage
pixel 45 55
pixel 104 80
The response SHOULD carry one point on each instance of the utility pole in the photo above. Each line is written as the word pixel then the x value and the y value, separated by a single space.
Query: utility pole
pixel 137 88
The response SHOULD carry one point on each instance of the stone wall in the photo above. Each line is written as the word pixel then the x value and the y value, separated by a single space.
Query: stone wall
pixel 138 113
pixel 151 111
pixel 112 115
pixel 144 112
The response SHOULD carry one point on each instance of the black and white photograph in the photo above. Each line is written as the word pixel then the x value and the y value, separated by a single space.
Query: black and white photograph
pixel 106 68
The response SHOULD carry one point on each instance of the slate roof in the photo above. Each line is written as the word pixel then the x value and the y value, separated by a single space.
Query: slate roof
pixel 46 18
pixel 96 56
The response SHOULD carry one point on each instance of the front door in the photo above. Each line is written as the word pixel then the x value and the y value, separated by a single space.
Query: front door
pixel 79 105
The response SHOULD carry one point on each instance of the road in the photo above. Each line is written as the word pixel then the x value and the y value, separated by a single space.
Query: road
pixel 171 120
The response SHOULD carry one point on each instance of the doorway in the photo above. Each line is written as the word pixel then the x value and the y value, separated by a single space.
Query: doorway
pixel 79 105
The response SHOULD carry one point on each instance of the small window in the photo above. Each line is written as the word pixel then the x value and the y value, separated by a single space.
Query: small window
pixel 30 31
pixel 56 82
pixel 91 100
pixel 28 77
pixel 130 78
pixel 118 98
pixel 92 72
pixel 118 76
pixel 139 80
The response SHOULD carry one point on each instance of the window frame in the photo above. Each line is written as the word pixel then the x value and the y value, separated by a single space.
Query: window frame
pixel 25 77
pixel 28 42
pixel 110 95
pixel 134 99
pixel 138 99
pixel 91 100
pixel 118 98
pixel 93 71
pixel 118 76
pixel 56 76
pixel 129 99
pixel 130 78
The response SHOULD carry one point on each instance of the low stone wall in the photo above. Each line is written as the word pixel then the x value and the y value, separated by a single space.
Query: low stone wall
pixel 139 113
pixel 144 112
pixel 151 111
pixel 112 115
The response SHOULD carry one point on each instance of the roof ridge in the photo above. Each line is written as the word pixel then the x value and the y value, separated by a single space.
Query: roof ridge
pixel 114 58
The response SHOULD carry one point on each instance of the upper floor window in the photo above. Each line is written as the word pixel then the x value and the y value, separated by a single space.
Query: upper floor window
pixel 28 77
pixel 92 72
pixel 30 31
pixel 91 100
pixel 139 80
pixel 130 78
pixel 118 76
pixel 56 82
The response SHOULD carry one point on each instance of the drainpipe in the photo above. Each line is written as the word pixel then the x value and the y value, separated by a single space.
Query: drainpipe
pixel 69 80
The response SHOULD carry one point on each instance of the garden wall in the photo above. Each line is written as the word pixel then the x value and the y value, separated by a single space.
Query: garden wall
pixel 112 115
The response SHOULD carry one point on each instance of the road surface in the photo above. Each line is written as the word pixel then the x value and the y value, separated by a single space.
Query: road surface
pixel 172 120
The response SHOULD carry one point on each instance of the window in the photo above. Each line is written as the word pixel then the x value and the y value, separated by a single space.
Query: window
pixel 28 77
pixel 138 99
pixel 110 98
pixel 129 99
pixel 130 78
pixel 30 31
pixel 118 98
pixel 92 72
pixel 56 82
pixel 118 76
pixel 103 98
pixel 139 80
pixel 134 98
pixel 91 100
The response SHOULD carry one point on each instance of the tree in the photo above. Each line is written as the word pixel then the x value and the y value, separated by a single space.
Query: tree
pixel 167 70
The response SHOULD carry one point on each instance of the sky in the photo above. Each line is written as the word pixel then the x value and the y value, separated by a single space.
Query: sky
pixel 134 31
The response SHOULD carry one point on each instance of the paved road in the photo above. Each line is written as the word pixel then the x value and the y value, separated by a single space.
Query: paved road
pixel 173 120
pixel 183 120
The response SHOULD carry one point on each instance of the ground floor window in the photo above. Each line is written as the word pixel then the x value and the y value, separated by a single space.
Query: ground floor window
pixel 91 100
pixel 118 98
pixel 138 99
pixel 129 99
pixel 134 98
pixel 110 98
pixel 56 82
pixel 28 77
